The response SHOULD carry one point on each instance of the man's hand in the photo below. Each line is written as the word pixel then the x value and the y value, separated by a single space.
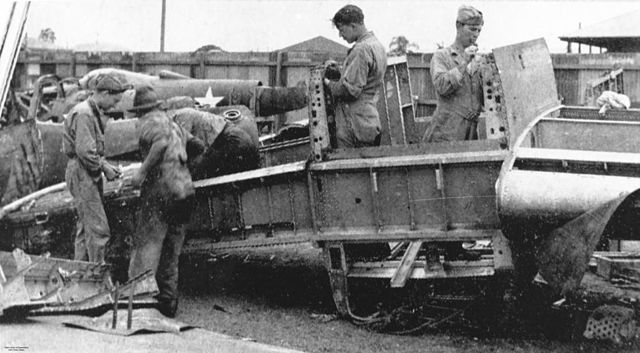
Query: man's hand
pixel 111 172
pixel 332 70
pixel 137 179
pixel 470 52
pixel 474 64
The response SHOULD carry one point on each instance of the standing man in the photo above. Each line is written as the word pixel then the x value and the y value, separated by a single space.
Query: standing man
pixel 356 92
pixel 165 193
pixel 83 143
pixel 456 77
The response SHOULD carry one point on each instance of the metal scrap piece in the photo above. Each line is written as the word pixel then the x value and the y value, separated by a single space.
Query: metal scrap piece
pixel 39 285
pixel 611 322
pixel 142 320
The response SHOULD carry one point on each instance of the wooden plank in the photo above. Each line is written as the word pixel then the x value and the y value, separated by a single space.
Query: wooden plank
pixel 453 269
pixel 403 272
pixel 252 174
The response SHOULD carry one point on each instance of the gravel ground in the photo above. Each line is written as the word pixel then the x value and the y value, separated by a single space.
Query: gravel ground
pixel 281 296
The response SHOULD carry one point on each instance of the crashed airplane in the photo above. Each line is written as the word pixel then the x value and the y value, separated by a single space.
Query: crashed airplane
pixel 31 156
pixel 535 189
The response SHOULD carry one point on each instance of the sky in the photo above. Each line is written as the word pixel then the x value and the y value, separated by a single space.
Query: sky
pixel 267 25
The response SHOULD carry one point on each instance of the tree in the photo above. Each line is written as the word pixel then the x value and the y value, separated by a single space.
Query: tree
pixel 400 45
pixel 47 35
pixel 209 48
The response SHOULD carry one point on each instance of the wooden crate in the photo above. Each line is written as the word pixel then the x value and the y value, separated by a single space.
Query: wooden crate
pixel 618 264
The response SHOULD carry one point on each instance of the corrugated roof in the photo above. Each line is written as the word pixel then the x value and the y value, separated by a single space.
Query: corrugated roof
pixel 317 44
pixel 624 26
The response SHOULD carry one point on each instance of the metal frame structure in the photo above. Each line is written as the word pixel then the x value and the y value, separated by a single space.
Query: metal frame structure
pixel 421 197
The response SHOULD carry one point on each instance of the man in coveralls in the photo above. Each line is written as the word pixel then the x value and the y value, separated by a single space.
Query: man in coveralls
pixel 356 92
pixel 165 192
pixel 83 143
pixel 456 77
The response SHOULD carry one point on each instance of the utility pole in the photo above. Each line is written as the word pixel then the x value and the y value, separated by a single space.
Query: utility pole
pixel 164 13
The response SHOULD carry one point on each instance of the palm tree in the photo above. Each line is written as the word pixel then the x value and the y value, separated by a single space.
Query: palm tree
pixel 400 45
pixel 47 35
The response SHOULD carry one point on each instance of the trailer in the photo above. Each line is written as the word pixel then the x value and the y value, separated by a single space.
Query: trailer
pixel 388 212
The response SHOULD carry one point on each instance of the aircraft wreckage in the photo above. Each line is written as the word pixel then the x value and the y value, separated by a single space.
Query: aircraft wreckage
pixel 31 157
pixel 543 188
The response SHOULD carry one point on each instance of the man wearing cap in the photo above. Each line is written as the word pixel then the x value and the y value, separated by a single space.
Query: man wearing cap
pixel 456 77
pixel 166 189
pixel 230 149
pixel 83 143
pixel 356 92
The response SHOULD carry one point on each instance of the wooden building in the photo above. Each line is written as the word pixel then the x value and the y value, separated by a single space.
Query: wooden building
pixel 620 34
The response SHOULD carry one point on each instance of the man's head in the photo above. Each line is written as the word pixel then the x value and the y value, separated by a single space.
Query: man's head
pixel 145 100
pixel 107 91
pixel 349 21
pixel 468 25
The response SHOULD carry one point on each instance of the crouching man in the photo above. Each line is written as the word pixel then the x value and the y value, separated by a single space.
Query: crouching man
pixel 166 189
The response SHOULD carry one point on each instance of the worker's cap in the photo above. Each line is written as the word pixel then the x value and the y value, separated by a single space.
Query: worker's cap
pixel 469 15
pixel 105 82
pixel 145 99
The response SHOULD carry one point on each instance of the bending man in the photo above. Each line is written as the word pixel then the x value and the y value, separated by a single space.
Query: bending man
pixel 230 149
pixel 165 192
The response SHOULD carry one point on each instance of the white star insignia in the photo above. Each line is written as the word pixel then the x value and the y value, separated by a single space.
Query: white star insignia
pixel 208 99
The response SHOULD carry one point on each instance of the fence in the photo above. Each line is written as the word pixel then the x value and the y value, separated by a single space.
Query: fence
pixel 572 71
pixel 273 69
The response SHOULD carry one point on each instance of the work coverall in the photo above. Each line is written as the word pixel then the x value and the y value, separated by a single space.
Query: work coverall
pixel 460 97
pixel 165 195
pixel 229 149
pixel 83 143
pixel 356 93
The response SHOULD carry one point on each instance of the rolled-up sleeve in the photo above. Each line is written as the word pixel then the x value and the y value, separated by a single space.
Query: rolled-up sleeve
pixel 354 75
pixel 446 81
pixel 86 145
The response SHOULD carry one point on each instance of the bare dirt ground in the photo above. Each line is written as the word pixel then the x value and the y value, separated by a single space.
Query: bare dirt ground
pixel 281 296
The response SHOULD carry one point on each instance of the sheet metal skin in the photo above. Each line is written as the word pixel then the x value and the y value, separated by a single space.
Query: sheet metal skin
pixel 34 281
pixel 21 160
pixel 528 83
pixel 565 186
pixel 40 285
pixel 562 167
pixel 32 154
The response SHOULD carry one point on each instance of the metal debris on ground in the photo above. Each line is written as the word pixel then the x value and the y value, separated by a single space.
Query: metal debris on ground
pixel 612 323
pixel 142 320
pixel 409 319
pixel 324 317
pixel 40 285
